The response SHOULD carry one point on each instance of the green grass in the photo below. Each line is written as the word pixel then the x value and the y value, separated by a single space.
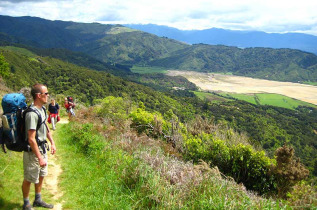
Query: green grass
pixel 89 182
pixel 209 96
pixel 270 99
pixel 310 83
pixel 148 70
pixel 11 178
pixel 22 51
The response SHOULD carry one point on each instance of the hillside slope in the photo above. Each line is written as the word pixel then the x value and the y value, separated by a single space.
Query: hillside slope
pixel 108 43
pixel 278 64
pixel 85 84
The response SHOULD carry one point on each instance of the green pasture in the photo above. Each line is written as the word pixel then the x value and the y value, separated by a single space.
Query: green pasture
pixel 22 51
pixel 270 99
pixel 222 73
pixel 148 70
pixel 209 96
pixel 310 83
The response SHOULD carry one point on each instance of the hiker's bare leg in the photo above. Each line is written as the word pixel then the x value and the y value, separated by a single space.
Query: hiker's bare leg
pixel 38 186
pixel 26 188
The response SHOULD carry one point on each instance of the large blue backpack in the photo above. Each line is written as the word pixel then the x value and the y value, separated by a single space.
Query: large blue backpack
pixel 12 132
pixel 13 105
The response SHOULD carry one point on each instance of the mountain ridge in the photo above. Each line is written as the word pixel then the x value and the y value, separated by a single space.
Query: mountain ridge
pixel 243 39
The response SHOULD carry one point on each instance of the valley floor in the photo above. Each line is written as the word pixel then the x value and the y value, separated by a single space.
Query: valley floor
pixel 238 84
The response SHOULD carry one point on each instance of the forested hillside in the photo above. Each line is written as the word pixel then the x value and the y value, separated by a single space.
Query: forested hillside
pixel 86 84
pixel 108 43
pixel 278 64
pixel 115 44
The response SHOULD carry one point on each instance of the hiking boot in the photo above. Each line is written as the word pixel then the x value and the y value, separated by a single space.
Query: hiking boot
pixel 27 207
pixel 42 204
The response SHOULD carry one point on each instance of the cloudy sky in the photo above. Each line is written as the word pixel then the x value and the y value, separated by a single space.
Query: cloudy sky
pixel 263 15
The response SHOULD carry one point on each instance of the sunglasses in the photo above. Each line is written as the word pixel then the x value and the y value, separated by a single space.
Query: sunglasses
pixel 47 93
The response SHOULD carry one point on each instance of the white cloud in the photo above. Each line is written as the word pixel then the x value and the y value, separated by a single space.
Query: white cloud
pixel 265 15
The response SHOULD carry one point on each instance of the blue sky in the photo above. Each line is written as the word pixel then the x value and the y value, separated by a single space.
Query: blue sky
pixel 278 16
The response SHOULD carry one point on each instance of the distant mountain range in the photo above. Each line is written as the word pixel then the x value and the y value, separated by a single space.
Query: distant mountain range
pixel 116 44
pixel 243 39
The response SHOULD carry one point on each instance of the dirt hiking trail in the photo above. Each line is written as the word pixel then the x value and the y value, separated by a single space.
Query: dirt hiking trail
pixel 51 182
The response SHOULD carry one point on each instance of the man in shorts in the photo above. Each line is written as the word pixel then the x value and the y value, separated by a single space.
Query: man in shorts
pixel 35 161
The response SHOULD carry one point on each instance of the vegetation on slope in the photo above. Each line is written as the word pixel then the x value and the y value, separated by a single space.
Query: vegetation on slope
pixel 85 84
pixel 273 64
pixel 272 126
pixel 137 171
pixel 145 171
pixel 129 172
pixel 159 82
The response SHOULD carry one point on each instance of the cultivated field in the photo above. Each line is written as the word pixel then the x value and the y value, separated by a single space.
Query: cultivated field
pixel 237 84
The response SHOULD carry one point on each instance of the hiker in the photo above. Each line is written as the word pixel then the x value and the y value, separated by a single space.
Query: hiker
pixel 69 105
pixel 53 109
pixel 35 161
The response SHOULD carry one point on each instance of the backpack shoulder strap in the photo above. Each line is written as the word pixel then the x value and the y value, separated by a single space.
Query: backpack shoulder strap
pixel 43 107
pixel 39 123
pixel 36 111
pixel 44 121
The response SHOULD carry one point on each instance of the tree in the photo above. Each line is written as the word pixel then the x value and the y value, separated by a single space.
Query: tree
pixel 288 170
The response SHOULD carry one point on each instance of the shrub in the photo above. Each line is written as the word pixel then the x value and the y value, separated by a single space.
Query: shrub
pixel 302 195
pixel 251 168
pixel 288 170
pixel 114 108
pixel 152 124
pixel 240 161
pixel 193 147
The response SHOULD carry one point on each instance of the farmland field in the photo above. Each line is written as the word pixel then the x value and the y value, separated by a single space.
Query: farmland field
pixel 246 85
pixel 269 99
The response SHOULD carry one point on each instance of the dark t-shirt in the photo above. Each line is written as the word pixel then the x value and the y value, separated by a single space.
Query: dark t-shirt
pixel 53 109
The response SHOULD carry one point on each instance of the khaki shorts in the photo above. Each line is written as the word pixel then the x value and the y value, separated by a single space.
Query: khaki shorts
pixel 32 169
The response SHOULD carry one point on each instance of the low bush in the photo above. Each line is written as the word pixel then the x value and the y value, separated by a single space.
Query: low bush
pixel 302 196
pixel 241 162
pixel 251 168
pixel 114 108
pixel 152 124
